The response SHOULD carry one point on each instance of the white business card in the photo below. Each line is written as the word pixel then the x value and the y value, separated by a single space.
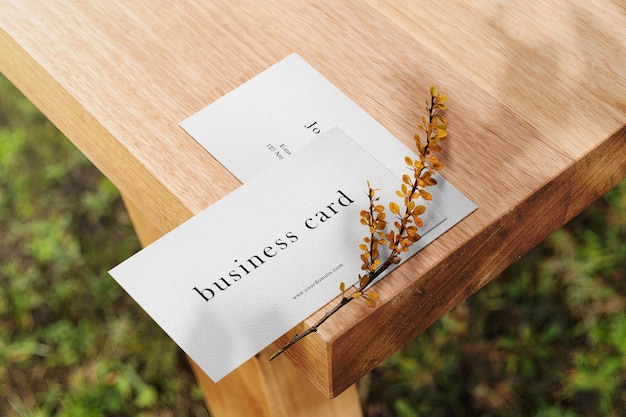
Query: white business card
pixel 241 273
pixel 267 119
pixel 234 278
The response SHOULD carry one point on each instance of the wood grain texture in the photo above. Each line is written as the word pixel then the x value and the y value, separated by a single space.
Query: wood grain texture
pixel 558 64
pixel 537 98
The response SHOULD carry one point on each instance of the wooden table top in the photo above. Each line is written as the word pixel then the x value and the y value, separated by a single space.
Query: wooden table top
pixel 537 119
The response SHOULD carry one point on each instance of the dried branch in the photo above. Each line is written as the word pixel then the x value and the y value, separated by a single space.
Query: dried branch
pixel 404 234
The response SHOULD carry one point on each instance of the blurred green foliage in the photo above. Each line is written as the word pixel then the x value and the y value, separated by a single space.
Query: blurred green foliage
pixel 72 343
pixel 547 338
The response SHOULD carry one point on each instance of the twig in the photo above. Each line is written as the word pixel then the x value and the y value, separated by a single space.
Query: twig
pixel 424 168
pixel 344 300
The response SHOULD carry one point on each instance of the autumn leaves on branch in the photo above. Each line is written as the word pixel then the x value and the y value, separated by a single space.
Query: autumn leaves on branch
pixel 405 217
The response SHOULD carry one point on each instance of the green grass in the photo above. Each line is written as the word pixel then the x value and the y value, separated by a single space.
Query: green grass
pixel 547 338
pixel 72 343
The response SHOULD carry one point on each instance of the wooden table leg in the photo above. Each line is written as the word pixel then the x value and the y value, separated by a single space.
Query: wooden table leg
pixel 259 388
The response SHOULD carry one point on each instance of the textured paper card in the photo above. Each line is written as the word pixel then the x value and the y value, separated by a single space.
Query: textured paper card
pixel 238 275
pixel 234 278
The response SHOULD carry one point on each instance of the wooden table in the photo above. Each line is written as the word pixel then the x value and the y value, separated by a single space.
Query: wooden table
pixel 537 98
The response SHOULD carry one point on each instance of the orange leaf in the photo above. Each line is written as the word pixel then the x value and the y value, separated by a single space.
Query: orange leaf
pixel 363 280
